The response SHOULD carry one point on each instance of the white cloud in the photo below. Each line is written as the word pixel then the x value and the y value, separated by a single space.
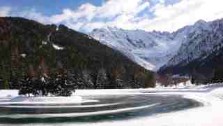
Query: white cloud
pixel 133 14
pixel 33 14
pixel 124 7
pixel 186 12
pixel 4 11
pixel 87 16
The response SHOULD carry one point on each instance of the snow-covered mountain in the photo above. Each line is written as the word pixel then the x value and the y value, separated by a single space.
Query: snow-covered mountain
pixel 198 42
pixel 149 49
pixel 201 53
pixel 162 49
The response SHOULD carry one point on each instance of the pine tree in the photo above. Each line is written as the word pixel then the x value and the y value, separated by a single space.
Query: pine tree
pixel 59 86
pixel 102 79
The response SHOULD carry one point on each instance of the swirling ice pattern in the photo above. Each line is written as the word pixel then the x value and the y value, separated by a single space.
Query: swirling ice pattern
pixel 108 107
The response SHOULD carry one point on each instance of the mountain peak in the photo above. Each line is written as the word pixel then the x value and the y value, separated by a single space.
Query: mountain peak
pixel 200 22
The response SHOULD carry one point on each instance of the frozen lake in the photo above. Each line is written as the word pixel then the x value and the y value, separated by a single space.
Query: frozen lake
pixel 99 107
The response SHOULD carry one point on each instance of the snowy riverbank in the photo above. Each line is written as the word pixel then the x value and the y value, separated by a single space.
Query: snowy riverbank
pixel 210 114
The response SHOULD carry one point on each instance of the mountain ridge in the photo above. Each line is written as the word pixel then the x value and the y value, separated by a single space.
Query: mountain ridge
pixel 201 55
pixel 190 45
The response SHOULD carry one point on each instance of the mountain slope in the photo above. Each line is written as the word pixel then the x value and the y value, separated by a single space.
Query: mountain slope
pixel 28 48
pixel 199 41
pixel 149 49
pixel 200 53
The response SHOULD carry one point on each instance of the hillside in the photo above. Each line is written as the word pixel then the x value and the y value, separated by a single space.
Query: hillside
pixel 31 49
pixel 200 55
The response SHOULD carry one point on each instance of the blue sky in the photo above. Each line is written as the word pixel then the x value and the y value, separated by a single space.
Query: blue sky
pixel 47 7
pixel 86 15
pixel 50 7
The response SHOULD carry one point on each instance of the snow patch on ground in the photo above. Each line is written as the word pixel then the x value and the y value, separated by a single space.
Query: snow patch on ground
pixel 44 42
pixel 57 47
pixel 8 93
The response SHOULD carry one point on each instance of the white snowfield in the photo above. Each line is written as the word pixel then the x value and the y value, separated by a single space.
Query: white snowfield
pixel 210 114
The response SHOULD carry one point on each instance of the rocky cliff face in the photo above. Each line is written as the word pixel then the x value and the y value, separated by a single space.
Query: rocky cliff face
pixel 200 40
pixel 200 54
pixel 28 48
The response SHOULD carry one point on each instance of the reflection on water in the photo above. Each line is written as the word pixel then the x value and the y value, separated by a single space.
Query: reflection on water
pixel 13 113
